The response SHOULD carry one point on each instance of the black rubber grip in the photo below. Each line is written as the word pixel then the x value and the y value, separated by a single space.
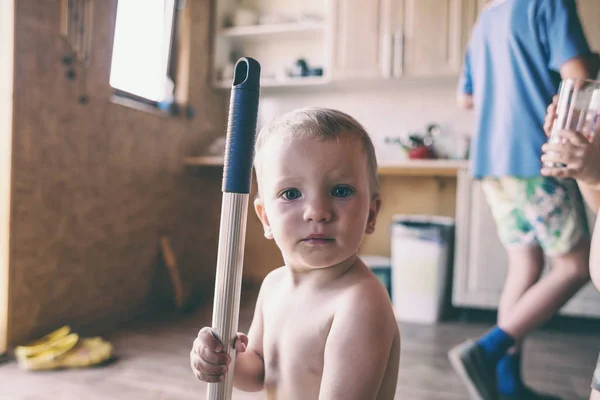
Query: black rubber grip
pixel 241 126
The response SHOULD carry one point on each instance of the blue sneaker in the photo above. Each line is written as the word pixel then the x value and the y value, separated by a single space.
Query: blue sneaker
pixel 477 374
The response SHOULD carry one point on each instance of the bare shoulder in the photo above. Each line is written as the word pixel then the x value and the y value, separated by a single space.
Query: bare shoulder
pixel 362 350
pixel 366 289
pixel 368 301
pixel 274 277
pixel 271 281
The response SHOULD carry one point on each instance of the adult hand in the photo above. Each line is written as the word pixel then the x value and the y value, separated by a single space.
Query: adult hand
pixel 580 156
pixel 550 116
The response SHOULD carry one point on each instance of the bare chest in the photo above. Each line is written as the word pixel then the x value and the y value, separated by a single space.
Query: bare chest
pixel 294 342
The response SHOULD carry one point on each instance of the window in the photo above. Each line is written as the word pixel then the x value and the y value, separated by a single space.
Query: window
pixel 143 58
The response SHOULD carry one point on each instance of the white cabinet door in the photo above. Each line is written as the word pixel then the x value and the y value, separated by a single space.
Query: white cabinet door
pixel 398 38
pixel 360 39
pixel 430 36
pixel 480 262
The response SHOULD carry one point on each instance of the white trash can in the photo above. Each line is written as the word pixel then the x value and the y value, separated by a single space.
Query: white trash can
pixel 421 260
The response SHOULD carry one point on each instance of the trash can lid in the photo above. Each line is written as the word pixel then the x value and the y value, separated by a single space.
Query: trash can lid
pixel 376 261
pixel 422 219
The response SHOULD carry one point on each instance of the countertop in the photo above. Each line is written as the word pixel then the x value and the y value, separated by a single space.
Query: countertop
pixel 432 168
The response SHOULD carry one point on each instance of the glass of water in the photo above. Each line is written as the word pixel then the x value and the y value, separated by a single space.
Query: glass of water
pixel 578 109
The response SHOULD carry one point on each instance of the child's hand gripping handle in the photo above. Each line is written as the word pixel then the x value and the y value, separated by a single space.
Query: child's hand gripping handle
pixel 239 154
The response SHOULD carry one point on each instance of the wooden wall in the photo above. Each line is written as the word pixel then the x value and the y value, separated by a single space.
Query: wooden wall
pixel 93 185
pixel 6 107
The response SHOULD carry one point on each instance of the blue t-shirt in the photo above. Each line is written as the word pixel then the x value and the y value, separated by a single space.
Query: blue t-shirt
pixel 512 70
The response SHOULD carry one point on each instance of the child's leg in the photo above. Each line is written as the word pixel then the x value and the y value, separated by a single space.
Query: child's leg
pixel 555 211
pixel 527 212
pixel 569 274
pixel 530 213
pixel 525 265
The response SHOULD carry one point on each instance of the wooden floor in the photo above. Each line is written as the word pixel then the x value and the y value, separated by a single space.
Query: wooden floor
pixel 153 363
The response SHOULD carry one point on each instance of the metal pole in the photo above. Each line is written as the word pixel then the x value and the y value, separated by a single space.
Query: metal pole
pixel 239 153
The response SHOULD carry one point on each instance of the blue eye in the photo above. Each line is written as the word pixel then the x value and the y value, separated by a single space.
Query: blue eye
pixel 342 191
pixel 291 194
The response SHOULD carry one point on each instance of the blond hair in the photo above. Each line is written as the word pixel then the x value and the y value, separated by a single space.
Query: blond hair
pixel 323 124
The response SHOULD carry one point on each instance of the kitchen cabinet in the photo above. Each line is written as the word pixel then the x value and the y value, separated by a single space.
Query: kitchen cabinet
pixel 400 38
pixel 480 261
pixel 359 39
pixel 429 37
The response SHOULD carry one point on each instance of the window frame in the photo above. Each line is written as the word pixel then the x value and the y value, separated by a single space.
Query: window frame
pixel 174 61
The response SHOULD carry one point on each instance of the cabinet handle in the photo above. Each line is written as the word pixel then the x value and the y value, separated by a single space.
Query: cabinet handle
pixel 387 62
pixel 398 54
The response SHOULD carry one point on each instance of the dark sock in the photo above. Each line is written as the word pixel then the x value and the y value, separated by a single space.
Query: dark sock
pixel 508 371
pixel 495 343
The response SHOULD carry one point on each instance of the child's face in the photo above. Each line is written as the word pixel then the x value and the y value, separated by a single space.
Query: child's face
pixel 315 199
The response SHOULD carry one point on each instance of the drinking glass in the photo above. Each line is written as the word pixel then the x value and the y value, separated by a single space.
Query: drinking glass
pixel 578 109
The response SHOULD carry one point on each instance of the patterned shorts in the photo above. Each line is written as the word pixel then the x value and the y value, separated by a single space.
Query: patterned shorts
pixel 596 378
pixel 542 211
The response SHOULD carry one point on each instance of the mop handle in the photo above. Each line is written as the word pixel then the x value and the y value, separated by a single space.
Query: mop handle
pixel 237 172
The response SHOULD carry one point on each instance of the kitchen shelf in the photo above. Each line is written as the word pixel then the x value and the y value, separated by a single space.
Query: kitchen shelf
pixel 287 82
pixel 447 168
pixel 443 168
pixel 294 31
pixel 272 29
pixel 205 161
